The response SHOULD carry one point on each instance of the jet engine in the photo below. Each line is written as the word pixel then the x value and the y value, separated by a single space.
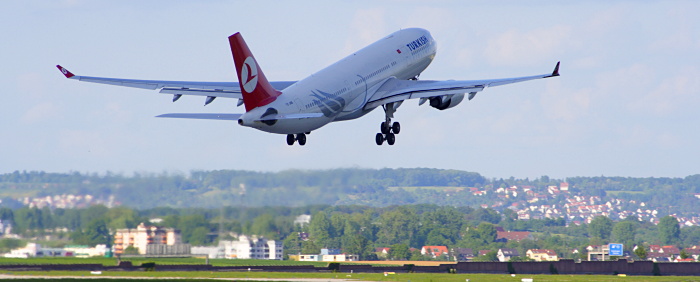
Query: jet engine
pixel 446 101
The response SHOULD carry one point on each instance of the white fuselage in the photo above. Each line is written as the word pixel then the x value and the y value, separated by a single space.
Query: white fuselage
pixel 341 90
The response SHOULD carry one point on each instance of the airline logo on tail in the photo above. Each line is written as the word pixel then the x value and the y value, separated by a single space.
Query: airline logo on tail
pixel 249 75
pixel 256 89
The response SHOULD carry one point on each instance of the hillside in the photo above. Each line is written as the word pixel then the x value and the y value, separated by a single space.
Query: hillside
pixel 369 187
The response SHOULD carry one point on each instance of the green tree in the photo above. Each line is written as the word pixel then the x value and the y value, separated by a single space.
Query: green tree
pixel 519 258
pixel 684 254
pixel 487 215
pixel 641 252
pixel 188 224
pixel 397 226
pixel 320 229
pixel 490 256
pixel 8 244
pixel 199 237
pixel 359 245
pixel 264 225
pixel 669 230
pixel 6 214
pixel 131 250
pixel 122 217
pixel 600 227
pixel 399 252
pixel 292 244
pixel 310 248
pixel 624 232
pixel 440 227
pixel 487 232
pixel 95 233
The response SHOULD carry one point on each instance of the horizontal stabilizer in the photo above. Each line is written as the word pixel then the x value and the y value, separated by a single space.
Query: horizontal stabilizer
pixel 293 116
pixel 203 116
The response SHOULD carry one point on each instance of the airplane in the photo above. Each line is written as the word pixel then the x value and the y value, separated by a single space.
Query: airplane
pixel 384 73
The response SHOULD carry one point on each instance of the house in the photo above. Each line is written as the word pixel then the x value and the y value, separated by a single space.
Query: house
pixel 310 257
pixel 684 260
pixel 304 236
pixel 325 252
pixel 382 252
pixel 434 251
pixel 340 257
pixel 462 254
pixel 564 186
pixel 506 254
pixel 505 236
pixel 693 251
pixel 484 252
pixel 302 220
pixel 542 255
pixel 661 259
pixel 329 255
pixel 670 250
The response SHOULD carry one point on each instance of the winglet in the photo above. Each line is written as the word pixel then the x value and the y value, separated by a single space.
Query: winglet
pixel 65 71
pixel 556 70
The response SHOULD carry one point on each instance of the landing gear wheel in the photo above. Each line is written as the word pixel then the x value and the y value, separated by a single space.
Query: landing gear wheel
pixel 301 137
pixel 379 138
pixel 290 139
pixel 390 138
pixel 396 128
pixel 385 128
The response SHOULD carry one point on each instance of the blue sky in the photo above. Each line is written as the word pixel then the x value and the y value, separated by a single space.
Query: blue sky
pixel 625 105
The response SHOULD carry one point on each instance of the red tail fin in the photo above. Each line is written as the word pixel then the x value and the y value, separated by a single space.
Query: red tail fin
pixel 257 91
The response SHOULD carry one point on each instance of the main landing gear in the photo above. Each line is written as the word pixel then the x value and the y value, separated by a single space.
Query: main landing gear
pixel 301 138
pixel 388 130
pixel 388 133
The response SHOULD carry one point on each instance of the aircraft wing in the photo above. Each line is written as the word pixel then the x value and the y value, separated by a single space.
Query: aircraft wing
pixel 197 88
pixel 394 90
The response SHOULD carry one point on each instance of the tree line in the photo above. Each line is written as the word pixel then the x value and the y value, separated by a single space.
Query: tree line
pixel 355 229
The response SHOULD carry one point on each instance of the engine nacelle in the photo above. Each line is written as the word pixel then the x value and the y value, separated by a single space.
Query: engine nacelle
pixel 446 101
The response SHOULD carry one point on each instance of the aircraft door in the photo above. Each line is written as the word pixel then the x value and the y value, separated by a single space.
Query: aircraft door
pixel 299 104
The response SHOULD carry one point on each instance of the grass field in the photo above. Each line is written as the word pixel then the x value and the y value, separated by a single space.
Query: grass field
pixel 205 275
pixel 405 277
pixel 396 262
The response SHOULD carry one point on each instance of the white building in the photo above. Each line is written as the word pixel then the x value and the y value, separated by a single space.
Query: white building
pixel 302 220
pixel 85 251
pixel 252 248
pixel 144 235
pixel 35 250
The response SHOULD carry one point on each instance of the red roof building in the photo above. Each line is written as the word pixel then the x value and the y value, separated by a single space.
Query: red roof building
pixel 504 236
pixel 434 251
